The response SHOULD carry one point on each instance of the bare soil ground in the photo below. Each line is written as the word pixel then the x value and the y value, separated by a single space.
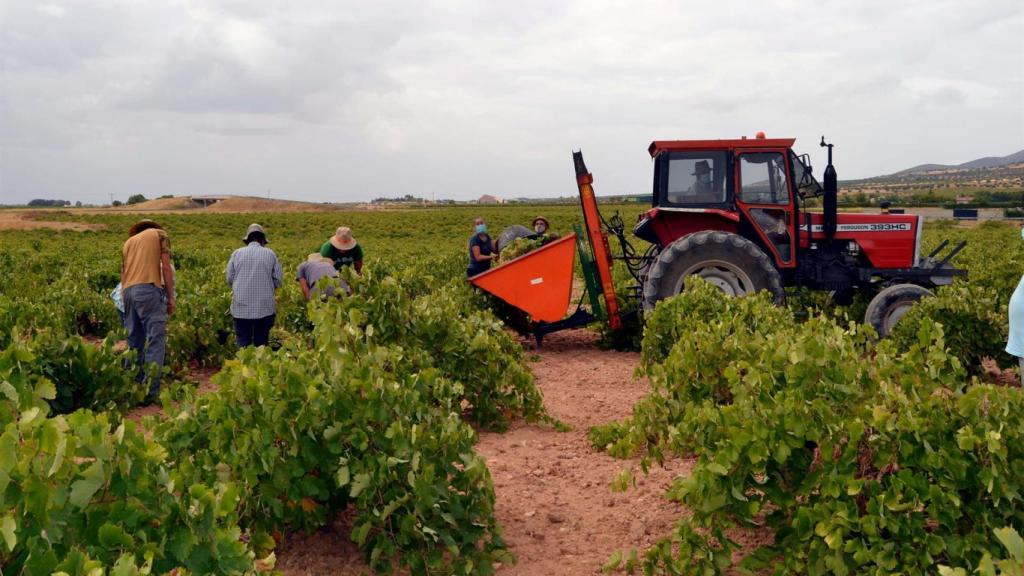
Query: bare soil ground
pixel 554 497
pixel 28 220
pixel 157 204
pixel 247 204
pixel 554 500
pixel 201 375
pixel 936 213
pixel 230 204
pixel 933 212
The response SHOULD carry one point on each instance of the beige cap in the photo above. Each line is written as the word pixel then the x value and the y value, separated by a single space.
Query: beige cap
pixel 252 229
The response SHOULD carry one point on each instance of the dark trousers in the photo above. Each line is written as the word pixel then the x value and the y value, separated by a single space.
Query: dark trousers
pixel 253 332
pixel 145 309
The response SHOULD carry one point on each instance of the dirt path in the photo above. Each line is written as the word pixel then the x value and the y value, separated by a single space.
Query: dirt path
pixel 554 499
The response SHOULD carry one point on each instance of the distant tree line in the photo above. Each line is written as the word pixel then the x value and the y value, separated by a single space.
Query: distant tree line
pixel 40 202
pixel 408 198
pixel 47 203
pixel 945 198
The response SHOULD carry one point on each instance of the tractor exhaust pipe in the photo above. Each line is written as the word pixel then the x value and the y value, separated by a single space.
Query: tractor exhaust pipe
pixel 831 190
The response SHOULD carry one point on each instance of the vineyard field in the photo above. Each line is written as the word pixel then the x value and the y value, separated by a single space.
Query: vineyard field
pixel 387 410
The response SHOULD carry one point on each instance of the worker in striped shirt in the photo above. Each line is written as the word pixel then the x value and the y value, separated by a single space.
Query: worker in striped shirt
pixel 254 273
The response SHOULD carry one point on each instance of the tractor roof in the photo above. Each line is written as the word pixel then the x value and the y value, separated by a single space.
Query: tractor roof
pixel 659 146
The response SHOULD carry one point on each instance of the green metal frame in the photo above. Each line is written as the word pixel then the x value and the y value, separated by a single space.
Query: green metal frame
pixel 590 274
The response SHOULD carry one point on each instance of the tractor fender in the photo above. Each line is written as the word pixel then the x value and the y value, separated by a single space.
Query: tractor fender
pixel 664 225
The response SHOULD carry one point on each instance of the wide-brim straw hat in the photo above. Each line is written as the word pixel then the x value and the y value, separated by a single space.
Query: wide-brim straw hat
pixel 143 225
pixel 342 239
pixel 318 257
pixel 252 229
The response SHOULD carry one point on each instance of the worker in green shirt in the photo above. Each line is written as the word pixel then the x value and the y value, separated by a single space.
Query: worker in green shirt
pixel 343 249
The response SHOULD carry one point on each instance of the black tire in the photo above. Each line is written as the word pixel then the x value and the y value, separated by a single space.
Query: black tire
pixel 889 305
pixel 733 263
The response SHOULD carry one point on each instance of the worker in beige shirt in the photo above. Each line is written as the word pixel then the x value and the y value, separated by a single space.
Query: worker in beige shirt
pixel 147 281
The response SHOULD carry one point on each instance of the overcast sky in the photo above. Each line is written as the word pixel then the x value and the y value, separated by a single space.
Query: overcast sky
pixel 346 101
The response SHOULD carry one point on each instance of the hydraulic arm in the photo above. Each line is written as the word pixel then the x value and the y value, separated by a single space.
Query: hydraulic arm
pixel 598 240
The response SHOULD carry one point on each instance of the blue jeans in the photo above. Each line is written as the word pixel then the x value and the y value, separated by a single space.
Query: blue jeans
pixel 145 310
pixel 253 331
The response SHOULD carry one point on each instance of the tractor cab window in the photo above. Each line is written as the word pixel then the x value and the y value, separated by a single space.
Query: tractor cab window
pixel 763 178
pixel 694 178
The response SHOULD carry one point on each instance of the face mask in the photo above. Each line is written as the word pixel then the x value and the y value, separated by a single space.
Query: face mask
pixel 540 228
pixel 1022 233
pixel 481 228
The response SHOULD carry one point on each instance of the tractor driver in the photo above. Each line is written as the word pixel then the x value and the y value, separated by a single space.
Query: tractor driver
pixel 702 190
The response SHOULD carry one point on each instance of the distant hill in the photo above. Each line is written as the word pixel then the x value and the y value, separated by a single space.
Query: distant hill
pixel 986 162
pixel 222 204
pixel 922 168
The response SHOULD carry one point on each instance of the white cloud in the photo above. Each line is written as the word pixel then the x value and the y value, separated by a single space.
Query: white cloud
pixel 53 10
pixel 317 100
pixel 943 92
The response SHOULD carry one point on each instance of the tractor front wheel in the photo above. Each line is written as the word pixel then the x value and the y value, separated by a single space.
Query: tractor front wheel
pixel 729 261
pixel 889 305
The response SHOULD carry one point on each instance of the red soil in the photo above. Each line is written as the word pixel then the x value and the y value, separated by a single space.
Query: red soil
pixel 554 502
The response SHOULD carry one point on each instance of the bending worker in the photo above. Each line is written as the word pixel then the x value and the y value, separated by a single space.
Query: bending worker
pixel 343 249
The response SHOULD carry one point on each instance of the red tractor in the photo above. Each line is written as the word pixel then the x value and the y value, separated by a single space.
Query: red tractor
pixel 736 213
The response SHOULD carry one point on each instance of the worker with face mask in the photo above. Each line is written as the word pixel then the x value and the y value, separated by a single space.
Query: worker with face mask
pixel 481 249
pixel 542 230
pixel 540 225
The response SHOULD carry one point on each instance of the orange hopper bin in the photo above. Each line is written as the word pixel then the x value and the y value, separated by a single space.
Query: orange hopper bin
pixel 539 282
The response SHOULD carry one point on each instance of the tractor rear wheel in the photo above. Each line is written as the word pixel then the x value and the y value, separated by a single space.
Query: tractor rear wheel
pixel 729 261
pixel 889 305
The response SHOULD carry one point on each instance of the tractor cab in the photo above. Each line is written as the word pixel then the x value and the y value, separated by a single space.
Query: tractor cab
pixel 746 186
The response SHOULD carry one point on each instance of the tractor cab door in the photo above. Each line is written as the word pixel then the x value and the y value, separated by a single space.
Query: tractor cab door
pixel 763 195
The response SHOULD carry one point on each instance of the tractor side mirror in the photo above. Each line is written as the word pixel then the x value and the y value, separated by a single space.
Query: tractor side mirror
pixel 805 159
pixel 806 185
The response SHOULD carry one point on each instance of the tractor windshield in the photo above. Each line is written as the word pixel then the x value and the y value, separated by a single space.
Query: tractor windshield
pixel 806 185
